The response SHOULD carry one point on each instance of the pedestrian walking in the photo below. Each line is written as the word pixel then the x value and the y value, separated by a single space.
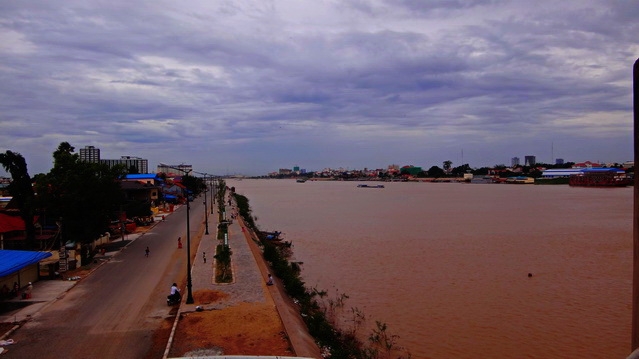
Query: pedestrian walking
pixel 204 256
pixel 179 242
pixel 146 252
pixel 29 290
pixel 16 289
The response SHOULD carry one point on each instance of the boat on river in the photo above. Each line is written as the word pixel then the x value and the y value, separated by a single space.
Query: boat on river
pixel 370 186
pixel 520 180
pixel 608 178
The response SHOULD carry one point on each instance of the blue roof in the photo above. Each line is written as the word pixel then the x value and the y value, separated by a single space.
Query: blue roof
pixel 139 176
pixel 12 261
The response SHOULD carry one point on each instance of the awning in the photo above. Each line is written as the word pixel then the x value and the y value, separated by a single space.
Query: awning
pixel 12 261
pixel 10 223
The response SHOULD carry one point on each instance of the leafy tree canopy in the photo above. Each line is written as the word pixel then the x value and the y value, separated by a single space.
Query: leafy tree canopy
pixel 436 172
pixel 195 185
pixel 84 196
pixel 460 170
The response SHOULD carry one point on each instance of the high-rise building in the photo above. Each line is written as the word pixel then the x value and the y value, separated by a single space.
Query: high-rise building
pixel 90 154
pixel 142 165
pixel 559 161
pixel 514 162
pixel 530 160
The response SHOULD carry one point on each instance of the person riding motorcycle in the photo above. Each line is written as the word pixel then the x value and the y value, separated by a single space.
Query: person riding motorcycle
pixel 175 293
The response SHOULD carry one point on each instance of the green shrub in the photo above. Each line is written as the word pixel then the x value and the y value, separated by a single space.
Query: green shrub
pixel 338 343
pixel 223 272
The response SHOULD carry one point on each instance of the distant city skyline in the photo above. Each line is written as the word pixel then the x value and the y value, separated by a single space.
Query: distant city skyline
pixel 251 86
pixel 93 154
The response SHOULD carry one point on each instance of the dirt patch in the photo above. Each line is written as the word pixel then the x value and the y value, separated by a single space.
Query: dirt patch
pixel 244 329
pixel 206 297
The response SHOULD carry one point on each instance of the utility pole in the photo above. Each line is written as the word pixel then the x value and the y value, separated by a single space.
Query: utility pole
pixel 206 211
pixel 212 193
pixel 635 222
pixel 189 281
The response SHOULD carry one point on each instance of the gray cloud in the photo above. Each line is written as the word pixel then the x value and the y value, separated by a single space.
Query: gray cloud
pixel 252 86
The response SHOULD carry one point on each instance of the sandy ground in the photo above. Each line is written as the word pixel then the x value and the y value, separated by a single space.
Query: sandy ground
pixel 248 328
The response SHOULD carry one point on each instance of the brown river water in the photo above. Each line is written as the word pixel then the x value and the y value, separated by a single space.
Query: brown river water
pixel 446 265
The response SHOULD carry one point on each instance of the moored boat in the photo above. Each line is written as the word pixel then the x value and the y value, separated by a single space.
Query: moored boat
pixel 520 180
pixel 610 178
pixel 370 186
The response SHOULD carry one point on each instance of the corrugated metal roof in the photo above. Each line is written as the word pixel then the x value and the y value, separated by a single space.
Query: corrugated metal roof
pixel 12 261
pixel 565 172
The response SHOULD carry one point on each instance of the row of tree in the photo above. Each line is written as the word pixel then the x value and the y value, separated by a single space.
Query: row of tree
pixel 81 198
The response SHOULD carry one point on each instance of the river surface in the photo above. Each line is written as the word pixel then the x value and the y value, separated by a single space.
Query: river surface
pixel 446 265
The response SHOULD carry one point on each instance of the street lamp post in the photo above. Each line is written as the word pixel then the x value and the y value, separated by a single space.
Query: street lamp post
pixel 189 284
pixel 212 194
pixel 206 214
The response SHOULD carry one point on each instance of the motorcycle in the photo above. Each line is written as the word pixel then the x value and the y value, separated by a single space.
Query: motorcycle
pixel 173 299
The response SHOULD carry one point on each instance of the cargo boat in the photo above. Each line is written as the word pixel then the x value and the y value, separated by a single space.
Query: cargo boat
pixel 610 178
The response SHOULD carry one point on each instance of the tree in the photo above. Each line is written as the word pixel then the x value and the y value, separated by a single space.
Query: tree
pixel 459 171
pixel 21 190
pixel 483 171
pixel 195 185
pixel 83 196
pixel 133 170
pixel 447 165
pixel 435 172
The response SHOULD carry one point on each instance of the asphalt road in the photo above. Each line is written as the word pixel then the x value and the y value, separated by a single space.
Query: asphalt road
pixel 114 312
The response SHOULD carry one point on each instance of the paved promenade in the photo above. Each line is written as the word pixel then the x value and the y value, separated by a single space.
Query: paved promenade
pixel 249 285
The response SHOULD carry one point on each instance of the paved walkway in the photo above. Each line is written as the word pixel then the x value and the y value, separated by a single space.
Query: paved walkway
pixel 249 285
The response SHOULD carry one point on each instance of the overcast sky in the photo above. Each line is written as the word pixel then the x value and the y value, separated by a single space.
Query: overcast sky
pixel 249 87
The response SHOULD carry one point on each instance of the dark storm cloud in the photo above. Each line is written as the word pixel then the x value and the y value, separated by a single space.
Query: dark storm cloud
pixel 254 81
